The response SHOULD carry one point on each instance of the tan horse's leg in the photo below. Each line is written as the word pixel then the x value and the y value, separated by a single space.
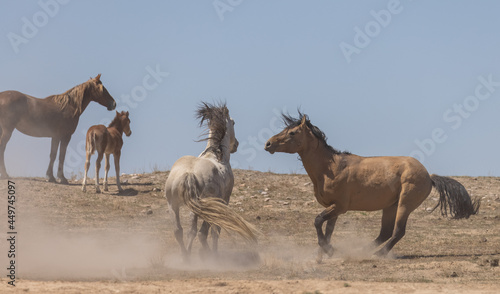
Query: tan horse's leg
pixel 97 167
pixel 62 155
pixel 398 233
pixel 116 157
pixel 54 144
pixel 87 166
pixel 330 214
pixel 388 221
pixel 5 134
pixel 106 170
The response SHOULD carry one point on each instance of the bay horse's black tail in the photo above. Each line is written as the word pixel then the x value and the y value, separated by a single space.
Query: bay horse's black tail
pixel 454 198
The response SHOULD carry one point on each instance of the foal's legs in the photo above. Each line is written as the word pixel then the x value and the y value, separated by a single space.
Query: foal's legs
pixel 97 167
pixel 54 144
pixel 87 165
pixel 106 170
pixel 5 134
pixel 116 157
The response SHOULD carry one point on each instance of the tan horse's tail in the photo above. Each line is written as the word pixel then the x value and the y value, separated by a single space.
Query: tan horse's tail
pixel 454 198
pixel 214 211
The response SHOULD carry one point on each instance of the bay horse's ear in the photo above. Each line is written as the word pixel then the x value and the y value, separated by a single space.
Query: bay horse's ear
pixel 126 113
pixel 117 113
pixel 98 78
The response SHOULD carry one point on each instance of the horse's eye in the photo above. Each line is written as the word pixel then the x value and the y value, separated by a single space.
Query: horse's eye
pixel 292 133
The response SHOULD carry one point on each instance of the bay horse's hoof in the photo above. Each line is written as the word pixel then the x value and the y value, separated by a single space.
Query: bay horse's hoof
pixel 381 253
pixel 51 180
pixel 63 181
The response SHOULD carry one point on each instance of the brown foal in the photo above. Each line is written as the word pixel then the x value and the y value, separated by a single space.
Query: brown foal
pixel 106 141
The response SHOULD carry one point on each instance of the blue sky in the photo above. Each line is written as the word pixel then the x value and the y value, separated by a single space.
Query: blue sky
pixel 418 78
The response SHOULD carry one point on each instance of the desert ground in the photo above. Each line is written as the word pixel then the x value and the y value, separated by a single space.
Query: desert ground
pixel 69 241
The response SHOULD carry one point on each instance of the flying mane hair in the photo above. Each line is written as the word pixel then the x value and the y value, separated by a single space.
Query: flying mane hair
pixel 214 116
pixel 291 122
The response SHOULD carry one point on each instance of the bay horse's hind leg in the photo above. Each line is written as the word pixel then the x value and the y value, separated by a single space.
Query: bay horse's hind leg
pixel 116 157
pixel 5 134
pixel 54 144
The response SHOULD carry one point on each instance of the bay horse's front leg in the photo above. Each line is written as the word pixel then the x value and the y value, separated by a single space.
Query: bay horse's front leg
pixel 330 215
pixel 62 156
pixel 54 144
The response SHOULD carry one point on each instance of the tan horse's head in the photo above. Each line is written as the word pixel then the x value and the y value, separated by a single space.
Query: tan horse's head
pixel 99 93
pixel 292 138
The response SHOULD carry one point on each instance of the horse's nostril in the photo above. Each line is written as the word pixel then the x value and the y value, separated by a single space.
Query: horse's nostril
pixel 268 144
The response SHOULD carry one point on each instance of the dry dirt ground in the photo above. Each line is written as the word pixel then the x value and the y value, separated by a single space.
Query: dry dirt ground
pixel 74 242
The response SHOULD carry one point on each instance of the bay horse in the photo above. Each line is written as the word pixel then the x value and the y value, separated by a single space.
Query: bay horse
pixel 55 116
pixel 344 181
pixel 204 183
pixel 106 141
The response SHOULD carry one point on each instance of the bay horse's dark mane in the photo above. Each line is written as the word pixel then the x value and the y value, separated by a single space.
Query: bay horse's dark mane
pixel 215 117
pixel 291 122
pixel 73 97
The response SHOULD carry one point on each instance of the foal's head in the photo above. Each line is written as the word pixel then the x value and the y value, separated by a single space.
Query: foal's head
pixel 122 122
pixel 99 94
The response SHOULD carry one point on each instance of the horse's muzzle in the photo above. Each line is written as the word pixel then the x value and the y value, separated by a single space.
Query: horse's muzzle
pixel 269 147
pixel 112 106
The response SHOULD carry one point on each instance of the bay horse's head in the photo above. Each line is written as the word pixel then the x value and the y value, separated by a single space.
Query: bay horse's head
pixel 99 94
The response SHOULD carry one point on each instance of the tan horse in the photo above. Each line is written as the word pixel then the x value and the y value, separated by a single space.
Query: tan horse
pixel 344 181
pixel 55 116
pixel 106 141
pixel 205 183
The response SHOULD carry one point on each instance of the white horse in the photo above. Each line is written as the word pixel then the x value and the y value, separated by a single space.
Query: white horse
pixel 205 183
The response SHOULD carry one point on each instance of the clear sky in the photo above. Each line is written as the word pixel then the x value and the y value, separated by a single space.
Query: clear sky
pixel 418 78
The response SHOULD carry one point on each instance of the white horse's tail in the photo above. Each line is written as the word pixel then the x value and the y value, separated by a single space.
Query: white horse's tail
pixel 214 211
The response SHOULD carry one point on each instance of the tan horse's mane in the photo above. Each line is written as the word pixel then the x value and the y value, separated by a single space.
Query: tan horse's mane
pixel 72 97
pixel 291 122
